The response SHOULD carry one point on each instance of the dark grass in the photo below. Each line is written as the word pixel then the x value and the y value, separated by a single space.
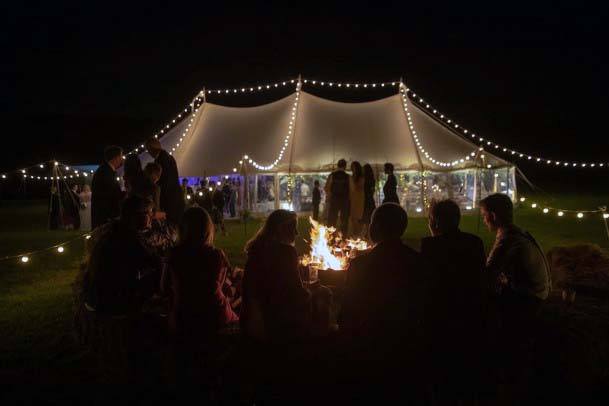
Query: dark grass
pixel 36 342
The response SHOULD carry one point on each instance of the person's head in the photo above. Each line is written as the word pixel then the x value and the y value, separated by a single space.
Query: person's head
pixel 356 170
pixel 389 221
pixel 280 226
pixel 113 156
pixel 341 164
pixel 444 217
pixel 136 213
pixel 316 183
pixel 388 168
pixel 196 227
pixel 153 171
pixel 369 173
pixel 133 167
pixel 153 146
pixel 497 210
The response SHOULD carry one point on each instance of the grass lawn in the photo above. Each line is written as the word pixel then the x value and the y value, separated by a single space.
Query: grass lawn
pixel 36 343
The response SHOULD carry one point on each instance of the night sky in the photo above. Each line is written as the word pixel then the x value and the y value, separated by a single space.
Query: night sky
pixel 78 77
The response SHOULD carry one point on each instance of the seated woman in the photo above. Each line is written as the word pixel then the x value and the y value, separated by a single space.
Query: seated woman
pixel 197 272
pixel 276 307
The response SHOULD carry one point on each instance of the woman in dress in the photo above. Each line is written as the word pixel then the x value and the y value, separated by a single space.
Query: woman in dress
pixel 391 185
pixel 356 199
pixel 369 188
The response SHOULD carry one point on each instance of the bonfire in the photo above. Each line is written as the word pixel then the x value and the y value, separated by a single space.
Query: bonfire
pixel 329 250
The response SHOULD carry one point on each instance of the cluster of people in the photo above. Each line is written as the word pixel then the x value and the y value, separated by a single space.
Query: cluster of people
pixel 424 318
pixel 350 198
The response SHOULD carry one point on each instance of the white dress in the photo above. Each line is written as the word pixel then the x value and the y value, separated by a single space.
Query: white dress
pixel 85 211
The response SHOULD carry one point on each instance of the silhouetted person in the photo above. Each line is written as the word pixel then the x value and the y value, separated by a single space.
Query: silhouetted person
pixel 390 186
pixel 133 175
pixel 316 200
pixel 456 305
pixel 106 192
pixel 382 309
pixel 337 197
pixel 276 307
pixel 172 199
pixel 520 282
pixel 369 188
pixel 198 307
pixel 120 275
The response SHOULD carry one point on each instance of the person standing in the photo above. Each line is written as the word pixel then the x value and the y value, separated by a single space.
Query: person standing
pixel 106 194
pixel 356 199
pixel 391 185
pixel 316 200
pixel 172 198
pixel 337 197
pixel 369 204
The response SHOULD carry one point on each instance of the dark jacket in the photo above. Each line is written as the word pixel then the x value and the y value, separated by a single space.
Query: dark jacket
pixel 120 273
pixel 316 196
pixel 198 305
pixel 275 303
pixel 456 285
pixel 339 186
pixel 172 198
pixel 384 292
pixel 106 196
pixel 390 190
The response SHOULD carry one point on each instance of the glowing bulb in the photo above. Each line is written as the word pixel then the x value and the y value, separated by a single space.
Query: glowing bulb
pixel 60 249
pixel 580 215
pixel 560 214
pixel 534 205
pixel 87 237
pixel 468 207
pixel 546 210
pixel 419 209
pixel 188 197
pixel 522 199
pixel 25 259
pixel 56 163
pixel 41 165
pixel 210 189
pixel 200 193
pixel 606 215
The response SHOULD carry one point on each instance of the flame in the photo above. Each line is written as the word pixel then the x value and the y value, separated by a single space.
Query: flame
pixel 328 249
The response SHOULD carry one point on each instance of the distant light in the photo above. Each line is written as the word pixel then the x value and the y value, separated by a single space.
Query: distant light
pixel 188 197
pixel 25 259
pixel 522 199
pixel 546 210
pixel 606 215
pixel 210 189
pixel 200 193
pixel 580 215
pixel 419 209
pixel 534 205
pixel 468 207
pixel 560 214
pixel 218 183
pixel 87 236
pixel 60 249
pixel 41 165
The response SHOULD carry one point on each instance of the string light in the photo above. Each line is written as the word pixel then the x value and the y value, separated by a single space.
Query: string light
pixel 419 145
pixel 349 85
pixel 464 132
pixel 57 248
pixel 561 212
pixel 249 89
pixel 286 140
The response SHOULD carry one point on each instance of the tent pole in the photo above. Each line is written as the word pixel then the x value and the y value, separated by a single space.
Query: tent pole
pixel 475 196
pixel 276 187
pixel 416 150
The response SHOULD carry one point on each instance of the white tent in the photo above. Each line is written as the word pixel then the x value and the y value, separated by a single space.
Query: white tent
pixel 299 138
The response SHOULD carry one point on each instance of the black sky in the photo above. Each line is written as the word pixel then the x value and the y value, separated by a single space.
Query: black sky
pixel 77 77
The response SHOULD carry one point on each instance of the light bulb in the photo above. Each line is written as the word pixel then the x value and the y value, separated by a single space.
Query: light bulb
pixel 60 249
pixel 560 214
pixel 25 259
pixel 546 210
pixel 606 215
pixel 522 199
pixel 188 197
pixel 580 215
pixel 534 205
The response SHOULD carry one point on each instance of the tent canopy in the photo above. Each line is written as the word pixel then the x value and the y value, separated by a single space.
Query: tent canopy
pixel 214 138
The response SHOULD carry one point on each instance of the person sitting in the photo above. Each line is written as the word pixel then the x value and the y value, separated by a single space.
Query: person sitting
pixel 120 275
pixel 382 310
pixel 198 306
pixel 520 281
pixel 106 195
pixel 456 304
pixel 276 307
pixel 337 197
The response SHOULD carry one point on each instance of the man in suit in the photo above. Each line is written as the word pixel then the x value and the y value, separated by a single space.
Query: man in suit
pixel 172 198
pixel 382 306
pixel 456 304
pixel 106 192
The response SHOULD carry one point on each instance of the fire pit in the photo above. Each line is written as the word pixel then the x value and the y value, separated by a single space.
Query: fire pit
pixel 330 255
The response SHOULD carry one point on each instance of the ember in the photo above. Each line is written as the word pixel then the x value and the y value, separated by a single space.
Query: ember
pixel 328 248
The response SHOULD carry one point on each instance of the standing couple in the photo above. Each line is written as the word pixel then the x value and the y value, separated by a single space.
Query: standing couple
pixel 350 198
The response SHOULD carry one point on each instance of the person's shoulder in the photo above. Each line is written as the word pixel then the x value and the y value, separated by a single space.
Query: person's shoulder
pixel 471 238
